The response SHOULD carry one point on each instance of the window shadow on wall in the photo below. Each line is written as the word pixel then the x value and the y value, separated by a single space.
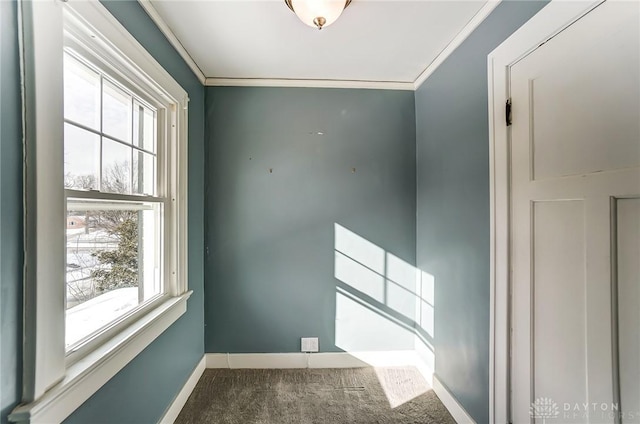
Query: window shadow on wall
pixel 384 306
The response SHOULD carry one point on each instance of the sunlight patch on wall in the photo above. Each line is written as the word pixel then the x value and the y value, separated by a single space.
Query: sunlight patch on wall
pixel 359 249
pixel 383 304
pixel 359 276
pixel 362 327
pixel 401 273
pixel 401 286
pixel 427 302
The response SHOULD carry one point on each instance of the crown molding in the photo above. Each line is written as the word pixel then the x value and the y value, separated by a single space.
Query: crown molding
pixel 171 37
pixel 471 26
pixel 473 23
pixel 309 83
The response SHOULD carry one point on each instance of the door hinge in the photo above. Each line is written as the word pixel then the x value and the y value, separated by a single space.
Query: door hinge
pixel 507 110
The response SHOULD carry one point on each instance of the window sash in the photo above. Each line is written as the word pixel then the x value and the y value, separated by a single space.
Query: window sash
pixel 97 55
pixel 99 195
pixel 138 95
pixel 115 205
pixel 122 201
pixel 78 47
pixel 158 180
pixel 112 138
pixel 154 252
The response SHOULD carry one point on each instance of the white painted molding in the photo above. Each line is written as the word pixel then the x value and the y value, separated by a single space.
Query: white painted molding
pixel 90 373
pixel 318 360
pixel 552 19
pixel 261 82
pixel 364 359
pixel 309 83
pixel 176 406
pixel 217 360
pixel 118 45
pixel 455 409
pixel 475 21
pixel 171 37
pixel 471 26
pixel 270 360
pixel 41 43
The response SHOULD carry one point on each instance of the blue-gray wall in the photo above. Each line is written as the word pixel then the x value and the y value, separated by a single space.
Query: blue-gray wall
pixel 270 237
pixel 142 391
pixel 10 213
pixel 453 205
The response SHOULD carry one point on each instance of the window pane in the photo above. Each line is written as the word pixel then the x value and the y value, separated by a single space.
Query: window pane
pixel 144 181
pixel 81 93
pixel 113 262
pixel 81 158
pixel 116 167
pixel 116 113
pixel 144 125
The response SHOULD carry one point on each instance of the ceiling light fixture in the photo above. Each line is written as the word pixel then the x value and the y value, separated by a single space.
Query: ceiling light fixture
pixel 318 13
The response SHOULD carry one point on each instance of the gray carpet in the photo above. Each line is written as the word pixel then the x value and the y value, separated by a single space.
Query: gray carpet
pixel 396 395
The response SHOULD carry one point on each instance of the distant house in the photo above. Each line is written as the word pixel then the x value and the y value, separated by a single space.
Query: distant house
pixel 75 222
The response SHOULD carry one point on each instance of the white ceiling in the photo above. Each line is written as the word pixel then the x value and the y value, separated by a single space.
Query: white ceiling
pixel 373 40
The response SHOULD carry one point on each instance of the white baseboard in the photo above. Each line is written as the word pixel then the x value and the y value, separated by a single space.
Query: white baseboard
pixel 314 360
pixel 256 360
pixel 174 409
pixel 216 360
pixel 455 409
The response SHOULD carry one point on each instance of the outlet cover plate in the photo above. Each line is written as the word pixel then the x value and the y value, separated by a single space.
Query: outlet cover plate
pixel 309 344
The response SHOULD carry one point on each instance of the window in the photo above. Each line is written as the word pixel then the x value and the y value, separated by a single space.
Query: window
pixel 114 253
pixel 105 196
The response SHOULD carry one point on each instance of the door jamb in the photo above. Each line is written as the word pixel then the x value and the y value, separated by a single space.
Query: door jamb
pixel 551 20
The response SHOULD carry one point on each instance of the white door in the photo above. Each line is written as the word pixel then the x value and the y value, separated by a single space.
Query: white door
pixel 575 185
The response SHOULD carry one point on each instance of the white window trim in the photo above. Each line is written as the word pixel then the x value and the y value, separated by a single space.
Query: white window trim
pixel 548 22
pixel 53 386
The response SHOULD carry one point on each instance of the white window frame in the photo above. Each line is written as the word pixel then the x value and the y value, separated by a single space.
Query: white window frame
pixel 56 384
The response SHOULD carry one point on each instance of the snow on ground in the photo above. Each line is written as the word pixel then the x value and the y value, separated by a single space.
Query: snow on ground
pixel 90 316
pixel 86 317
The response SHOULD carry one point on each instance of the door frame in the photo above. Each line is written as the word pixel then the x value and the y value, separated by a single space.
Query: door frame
pixel 546 24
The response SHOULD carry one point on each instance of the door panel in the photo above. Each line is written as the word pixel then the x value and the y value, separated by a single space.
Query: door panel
pixel 559 280
pixel 600 65
pixel 575 146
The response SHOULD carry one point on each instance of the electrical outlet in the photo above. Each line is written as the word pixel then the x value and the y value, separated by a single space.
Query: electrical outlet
pixel 309 344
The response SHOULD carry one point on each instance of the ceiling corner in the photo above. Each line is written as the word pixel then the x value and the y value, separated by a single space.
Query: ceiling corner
pixel 464 33
pixel 171 37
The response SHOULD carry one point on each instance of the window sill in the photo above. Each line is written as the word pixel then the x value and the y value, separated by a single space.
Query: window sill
pixel 86 376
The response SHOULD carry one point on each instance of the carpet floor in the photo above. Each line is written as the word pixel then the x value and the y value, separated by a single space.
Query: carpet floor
pixel 397 395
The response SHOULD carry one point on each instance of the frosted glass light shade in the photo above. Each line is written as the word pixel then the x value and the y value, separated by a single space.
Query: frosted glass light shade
pixel 318 13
